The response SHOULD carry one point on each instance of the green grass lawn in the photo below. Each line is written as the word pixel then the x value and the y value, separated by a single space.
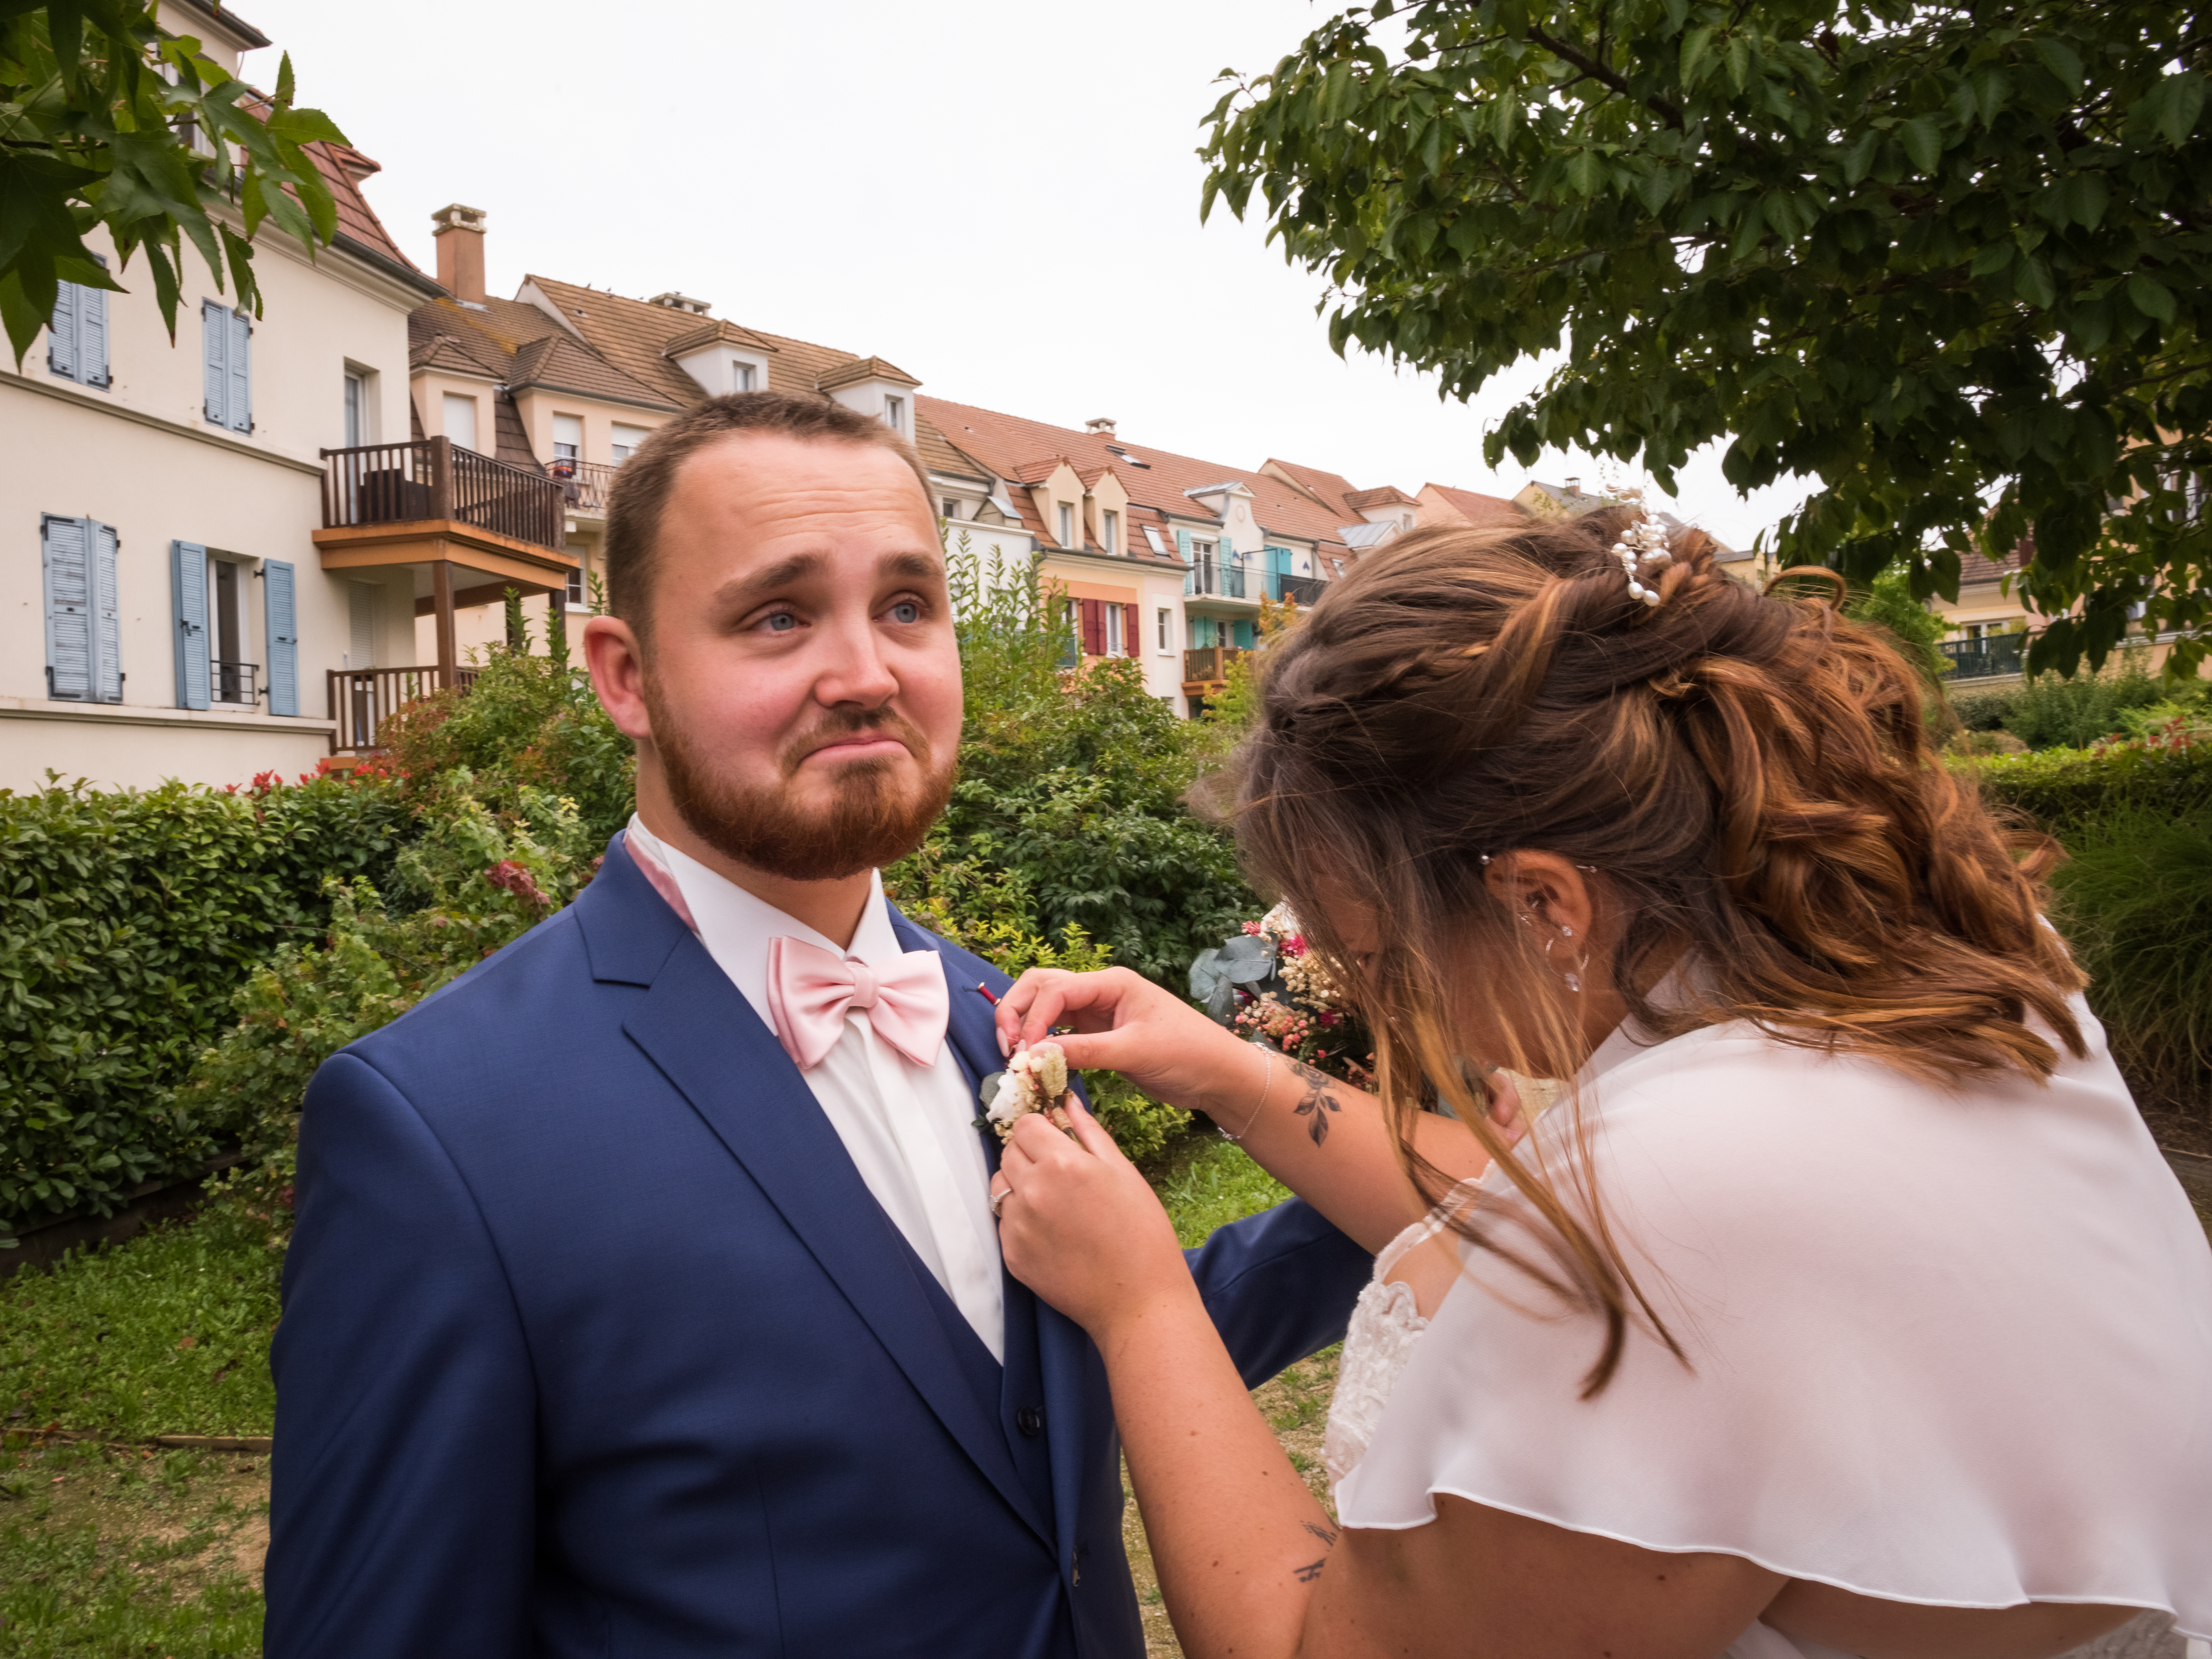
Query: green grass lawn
pixel 119 1552
pixel 166 1334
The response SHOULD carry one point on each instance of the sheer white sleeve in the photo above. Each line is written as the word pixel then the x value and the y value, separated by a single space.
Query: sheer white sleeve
pixel 1949 1348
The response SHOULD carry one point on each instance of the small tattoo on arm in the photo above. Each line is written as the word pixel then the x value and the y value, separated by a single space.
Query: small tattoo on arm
pixel 1312 1570
pixel 1318 1103
pixel 1327 1535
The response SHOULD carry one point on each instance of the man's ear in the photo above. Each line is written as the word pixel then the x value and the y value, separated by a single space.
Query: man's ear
pixel 1549 890
pixel 616 661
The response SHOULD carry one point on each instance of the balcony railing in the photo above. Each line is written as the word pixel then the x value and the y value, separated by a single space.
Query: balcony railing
pixel 584 483
pixel 1210 662
pixel 1213 578
pixel 1299 589
pixel 361 698
pixel 1991 655
pixel 232 682
pixel 435 478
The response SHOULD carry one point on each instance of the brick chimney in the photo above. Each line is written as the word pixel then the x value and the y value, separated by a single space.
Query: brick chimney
pixel 460 239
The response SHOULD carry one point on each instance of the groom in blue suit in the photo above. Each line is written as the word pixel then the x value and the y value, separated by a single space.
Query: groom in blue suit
pixel 645 1298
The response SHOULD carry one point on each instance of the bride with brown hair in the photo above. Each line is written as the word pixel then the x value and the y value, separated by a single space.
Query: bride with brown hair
pixel 1842 1306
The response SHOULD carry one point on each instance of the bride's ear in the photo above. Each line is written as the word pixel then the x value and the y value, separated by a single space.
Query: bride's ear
pixel 1550 892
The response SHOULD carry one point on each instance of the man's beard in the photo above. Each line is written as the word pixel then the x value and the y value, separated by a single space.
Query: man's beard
pixel 870 822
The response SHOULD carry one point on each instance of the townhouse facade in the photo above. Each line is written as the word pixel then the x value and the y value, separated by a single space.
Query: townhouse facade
pixel 171 613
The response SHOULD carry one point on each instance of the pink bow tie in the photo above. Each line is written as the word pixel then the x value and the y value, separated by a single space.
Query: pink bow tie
pixel 810 992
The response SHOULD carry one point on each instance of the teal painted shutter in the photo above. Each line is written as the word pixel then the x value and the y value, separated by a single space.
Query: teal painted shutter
pixel 1189 576
pixel 61 332
pixel 277 592
pixel 214 360
pixel 68 575
pixel 102 543
pixel 92 336
pixel 241 379
pixel 188 609
pixel 1278 566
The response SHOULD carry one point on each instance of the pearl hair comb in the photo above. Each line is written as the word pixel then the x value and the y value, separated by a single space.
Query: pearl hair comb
pixel 1640 544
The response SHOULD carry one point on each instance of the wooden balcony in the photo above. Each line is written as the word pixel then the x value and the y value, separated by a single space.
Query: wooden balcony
pixel 434 479
pixel 479 525
pixel 361 698
pixel 1208 665
pixel 583 484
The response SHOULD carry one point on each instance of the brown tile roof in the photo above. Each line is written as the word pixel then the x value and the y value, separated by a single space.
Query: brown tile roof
pixel 635 336
pixel 1006 444
pixel 1382 495
pixel 1330 489
pixel 715 330
pixel 864 369
pixel 1978 567
pixel 511 443
pixel 560 364
pixel 1477 509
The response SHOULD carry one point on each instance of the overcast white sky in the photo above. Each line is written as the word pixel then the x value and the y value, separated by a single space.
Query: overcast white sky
pixel 999 195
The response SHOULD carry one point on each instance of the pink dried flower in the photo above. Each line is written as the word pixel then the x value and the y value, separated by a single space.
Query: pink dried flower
pixel 513 878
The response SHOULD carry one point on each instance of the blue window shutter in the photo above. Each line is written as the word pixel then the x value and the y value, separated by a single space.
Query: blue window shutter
pixel 1182 544
pixel 61 332
pixel 214 360
pixel 102 542
pixel 188 606
pixel 283 627
pixel 68 579
pixel 241 378
pixel 92 336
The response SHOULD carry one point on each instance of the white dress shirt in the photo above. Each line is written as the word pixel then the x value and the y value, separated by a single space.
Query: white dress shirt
pixel 908 1129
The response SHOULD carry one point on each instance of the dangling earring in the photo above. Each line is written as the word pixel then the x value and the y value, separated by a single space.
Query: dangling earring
pixel 1573 975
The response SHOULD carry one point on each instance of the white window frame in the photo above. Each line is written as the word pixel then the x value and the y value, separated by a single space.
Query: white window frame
pixel 1166 620
pixel 1110 530
pixel 1067 523
pixel 619 453
pixel 895 413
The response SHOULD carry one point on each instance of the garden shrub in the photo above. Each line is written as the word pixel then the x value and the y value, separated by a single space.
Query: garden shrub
pixel 126 919
pixel 526 722
pixel 2134 901
pixel 478 878
pixel 2049 712
pixel 2064 791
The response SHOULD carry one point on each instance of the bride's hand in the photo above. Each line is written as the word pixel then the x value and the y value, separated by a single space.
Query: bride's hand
pixel 1081 1228
pixel 1125 1024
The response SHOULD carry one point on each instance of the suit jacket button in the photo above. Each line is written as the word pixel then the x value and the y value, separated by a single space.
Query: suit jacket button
pixel 1029 1419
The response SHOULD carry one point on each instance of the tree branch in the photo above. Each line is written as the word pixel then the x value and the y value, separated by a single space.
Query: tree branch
pixel 1596 71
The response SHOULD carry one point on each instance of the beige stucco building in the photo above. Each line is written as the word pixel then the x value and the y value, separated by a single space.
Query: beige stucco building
pixel 167 613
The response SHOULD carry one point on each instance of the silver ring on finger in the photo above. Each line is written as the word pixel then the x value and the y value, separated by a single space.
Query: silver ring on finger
pixel 999 1198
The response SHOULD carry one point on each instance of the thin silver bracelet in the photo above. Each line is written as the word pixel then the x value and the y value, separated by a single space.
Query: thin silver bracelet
pixel 1267 1064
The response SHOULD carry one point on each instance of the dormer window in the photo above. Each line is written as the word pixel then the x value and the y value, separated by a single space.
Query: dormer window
pixel 741 376
pixel 1067 525
pixel 1109 531
pixel 895 414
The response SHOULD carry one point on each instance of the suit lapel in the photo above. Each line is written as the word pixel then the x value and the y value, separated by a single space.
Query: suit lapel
pixel 1069 1371
pixel 708 1041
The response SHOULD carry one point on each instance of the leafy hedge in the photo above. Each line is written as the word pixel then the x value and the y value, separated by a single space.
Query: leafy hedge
pixel 126 920
pixel 2066 791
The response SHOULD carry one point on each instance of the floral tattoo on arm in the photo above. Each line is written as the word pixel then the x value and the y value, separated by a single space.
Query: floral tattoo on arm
pixel 1318 1103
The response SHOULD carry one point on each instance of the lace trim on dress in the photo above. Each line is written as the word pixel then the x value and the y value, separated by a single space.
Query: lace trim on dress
pixel 1385 1326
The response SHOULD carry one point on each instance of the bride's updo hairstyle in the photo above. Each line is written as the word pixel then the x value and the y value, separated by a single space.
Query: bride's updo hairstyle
pixel 1745 778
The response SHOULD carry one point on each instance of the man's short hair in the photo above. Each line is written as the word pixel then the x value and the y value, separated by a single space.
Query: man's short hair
pixel 645 481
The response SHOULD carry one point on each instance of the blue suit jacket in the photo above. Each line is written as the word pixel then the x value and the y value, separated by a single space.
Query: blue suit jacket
pixel 595 1343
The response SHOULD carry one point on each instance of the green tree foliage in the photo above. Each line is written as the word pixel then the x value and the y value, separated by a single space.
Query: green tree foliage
pixel 1068 812
pixel 1951 261
pixel 126 919
pixel 1887 603
pixel 96 110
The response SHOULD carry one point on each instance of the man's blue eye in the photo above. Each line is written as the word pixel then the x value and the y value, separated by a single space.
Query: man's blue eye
pixel 906 610
pixel 781 622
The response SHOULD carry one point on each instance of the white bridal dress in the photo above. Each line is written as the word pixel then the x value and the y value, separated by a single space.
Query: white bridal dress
pixel 1952 1348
